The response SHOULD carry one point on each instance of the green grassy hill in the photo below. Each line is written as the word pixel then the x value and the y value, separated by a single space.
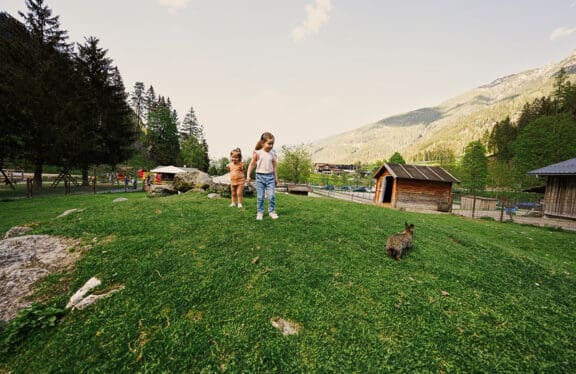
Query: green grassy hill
pixel 203 281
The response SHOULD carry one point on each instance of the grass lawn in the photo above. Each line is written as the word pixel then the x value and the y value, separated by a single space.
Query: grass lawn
pixel 203 281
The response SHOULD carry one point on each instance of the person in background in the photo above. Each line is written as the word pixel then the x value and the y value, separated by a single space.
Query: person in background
pixel 265 160
pixel 147 182
pixel 236 169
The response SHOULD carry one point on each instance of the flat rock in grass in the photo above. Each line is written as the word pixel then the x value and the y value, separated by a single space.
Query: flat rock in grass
pixel 285 326
pixel 91 299
pixel 26 259
pixel 80 301
pixel 119 200
pixel 213 196
pixel 79 295
pixel 16 231
pixel 69 211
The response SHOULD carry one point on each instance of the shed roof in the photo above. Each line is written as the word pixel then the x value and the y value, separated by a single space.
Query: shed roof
pixel 299 188
pixel 417 172
pixel 567 167
pixel 170 169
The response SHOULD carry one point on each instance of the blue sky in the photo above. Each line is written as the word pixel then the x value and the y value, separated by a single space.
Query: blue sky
pixel 308 69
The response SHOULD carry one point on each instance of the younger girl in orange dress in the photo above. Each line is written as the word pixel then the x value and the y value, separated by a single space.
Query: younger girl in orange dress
pixel 236 168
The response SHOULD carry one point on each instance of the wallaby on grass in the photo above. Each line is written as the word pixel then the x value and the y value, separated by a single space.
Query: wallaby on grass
pixel 397 243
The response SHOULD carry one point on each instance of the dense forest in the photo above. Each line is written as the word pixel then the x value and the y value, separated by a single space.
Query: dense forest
pixel 543 134
pixel 64 105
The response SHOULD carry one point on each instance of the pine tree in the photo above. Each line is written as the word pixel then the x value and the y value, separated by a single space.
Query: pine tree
pixel 138 101
pixel 474 167
pixel 122 129
pixel 502 138
pixel 397 158
pixel 191 127
pixel 108 132
pixel 162 136
pixel 149 101
pixel 52 60
pixel 44 27
pixel 17 71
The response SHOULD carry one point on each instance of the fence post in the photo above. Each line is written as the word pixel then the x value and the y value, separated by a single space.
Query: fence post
pixel 29 187
pixel 94 181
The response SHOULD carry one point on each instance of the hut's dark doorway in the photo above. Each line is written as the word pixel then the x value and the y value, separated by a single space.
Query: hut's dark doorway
pixel 388 184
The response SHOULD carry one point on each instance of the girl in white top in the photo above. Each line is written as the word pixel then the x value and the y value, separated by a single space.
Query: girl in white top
pixel 265 159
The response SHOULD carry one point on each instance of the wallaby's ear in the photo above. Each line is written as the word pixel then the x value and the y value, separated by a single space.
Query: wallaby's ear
pixel 406 225
pixel 411 227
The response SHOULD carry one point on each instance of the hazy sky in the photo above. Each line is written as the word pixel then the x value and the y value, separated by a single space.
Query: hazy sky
pixel 307 69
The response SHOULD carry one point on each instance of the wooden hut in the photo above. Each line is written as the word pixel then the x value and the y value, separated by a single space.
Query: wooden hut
pixel 482 203
pixel 299 189
pixel 560 193
pixel 414 187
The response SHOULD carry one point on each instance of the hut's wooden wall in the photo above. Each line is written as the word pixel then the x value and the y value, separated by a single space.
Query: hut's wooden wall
pixel 380 184
pixel 482 203
pixel 422 194
pixel 560 196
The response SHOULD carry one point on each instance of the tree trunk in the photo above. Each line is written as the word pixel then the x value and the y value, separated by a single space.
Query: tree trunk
pixel 85 178
pixel 38 175
pixel 474 204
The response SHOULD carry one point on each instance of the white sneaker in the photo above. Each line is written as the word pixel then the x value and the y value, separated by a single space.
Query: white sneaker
pixel 273 215
pixel 232 205
pixel 239 205
pixel 259 216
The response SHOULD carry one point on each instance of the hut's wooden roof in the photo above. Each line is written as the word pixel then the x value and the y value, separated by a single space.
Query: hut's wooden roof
pixel 417 172
pixel 299 188
pixel 567 167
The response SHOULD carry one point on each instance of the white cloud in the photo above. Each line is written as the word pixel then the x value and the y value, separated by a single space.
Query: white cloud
pixel 562 32
pixel 317 15
pixel 174 5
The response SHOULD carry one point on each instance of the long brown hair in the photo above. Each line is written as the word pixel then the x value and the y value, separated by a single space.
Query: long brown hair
pixel 263 139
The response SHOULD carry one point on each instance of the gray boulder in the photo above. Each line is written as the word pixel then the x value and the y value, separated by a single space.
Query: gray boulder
pixel 221 184
pixel 159 190
pixel 191 180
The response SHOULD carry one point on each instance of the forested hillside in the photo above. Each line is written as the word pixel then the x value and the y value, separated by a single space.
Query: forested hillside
pixel 421 134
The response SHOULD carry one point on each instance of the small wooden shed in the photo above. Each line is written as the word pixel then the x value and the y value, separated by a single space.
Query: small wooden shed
pixel 299 189
pixel 482 203
pixel 414 187
pixel 560 193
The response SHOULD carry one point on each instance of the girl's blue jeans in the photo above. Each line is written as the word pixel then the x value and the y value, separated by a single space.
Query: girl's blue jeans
pixel 265 187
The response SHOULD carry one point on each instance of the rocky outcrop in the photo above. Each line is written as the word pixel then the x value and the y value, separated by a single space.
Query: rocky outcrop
pixel 26 259
pixel 159 190
pixel 191 180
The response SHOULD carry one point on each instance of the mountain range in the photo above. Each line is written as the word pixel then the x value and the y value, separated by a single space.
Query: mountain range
pixel 452 124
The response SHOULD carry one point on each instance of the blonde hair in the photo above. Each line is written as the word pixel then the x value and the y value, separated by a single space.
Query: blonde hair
pixel 236 152
pixel 263 139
